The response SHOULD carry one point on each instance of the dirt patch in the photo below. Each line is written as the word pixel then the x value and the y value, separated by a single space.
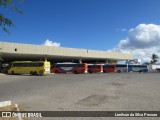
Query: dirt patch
pixel 93 100
pixel 118 83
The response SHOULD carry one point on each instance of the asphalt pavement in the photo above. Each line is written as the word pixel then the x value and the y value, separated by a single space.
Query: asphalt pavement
pixel 84 92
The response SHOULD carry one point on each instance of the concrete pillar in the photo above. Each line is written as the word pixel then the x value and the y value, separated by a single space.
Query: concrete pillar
pixel 80 60
pixel 107 61
pixel 127 64
pixel 45 59
pixel 72 61
pixel 97 61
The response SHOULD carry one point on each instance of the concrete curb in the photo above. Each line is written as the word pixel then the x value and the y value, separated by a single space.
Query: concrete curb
pixel 5 103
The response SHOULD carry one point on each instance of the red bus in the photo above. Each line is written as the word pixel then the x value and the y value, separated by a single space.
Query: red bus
pixel 109 68
pixel 95 68
pixel 69 68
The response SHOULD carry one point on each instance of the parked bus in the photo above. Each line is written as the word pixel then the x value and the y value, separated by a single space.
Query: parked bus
pixel 131 68
pixel 69 68
pixel 124 68
pixel 95 68
pixel 120 68
pixel 29 67
pixel 107 68
pixel 137 68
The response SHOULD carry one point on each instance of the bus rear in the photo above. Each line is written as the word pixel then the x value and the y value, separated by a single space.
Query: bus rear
pixel 47 66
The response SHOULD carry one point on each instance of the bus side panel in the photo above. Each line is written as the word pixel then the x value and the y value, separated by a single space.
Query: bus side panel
pixel 136 68
pixel 95 68
pixel 80 68
pixel 59 69
pixel 69 68
pixel 15 70
pixel 66 69
pixel 109 68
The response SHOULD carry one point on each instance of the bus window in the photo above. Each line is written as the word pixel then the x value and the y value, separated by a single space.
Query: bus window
pixel 18 65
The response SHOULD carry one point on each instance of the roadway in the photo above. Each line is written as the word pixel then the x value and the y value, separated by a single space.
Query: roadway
pixel 79 92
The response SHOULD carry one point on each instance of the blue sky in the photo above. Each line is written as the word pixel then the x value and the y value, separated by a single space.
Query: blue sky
pixel 89 24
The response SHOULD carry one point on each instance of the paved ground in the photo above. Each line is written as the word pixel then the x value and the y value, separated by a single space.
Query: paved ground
pixel 84 92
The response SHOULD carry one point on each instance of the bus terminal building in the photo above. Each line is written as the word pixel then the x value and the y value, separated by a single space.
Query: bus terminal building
pixel 10 52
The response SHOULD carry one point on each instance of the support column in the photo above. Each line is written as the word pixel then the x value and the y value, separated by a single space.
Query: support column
pixel 80 60
pixel 127 64
pixel 107 61
pixel 72 60
pixel 45 59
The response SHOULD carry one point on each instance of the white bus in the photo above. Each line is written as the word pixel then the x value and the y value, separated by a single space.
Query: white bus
pixel 131 68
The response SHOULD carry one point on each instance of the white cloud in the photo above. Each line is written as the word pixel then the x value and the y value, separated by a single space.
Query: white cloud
pixel 51 43
pixel 142 41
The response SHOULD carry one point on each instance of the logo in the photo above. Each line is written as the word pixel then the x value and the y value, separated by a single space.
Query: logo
pixel 6 114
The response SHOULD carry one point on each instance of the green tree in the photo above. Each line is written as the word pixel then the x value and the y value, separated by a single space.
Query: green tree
pixel 5 22
pixel 154 59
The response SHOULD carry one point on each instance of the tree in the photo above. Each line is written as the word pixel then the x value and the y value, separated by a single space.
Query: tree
pixel 154 59
pixel 5 22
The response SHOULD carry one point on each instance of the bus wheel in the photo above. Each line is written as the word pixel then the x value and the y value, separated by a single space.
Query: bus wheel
pixel 75 72
pixel 12 72
pixel 118 71
pixel 31 73
pixel 140 71
pixel 35 73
